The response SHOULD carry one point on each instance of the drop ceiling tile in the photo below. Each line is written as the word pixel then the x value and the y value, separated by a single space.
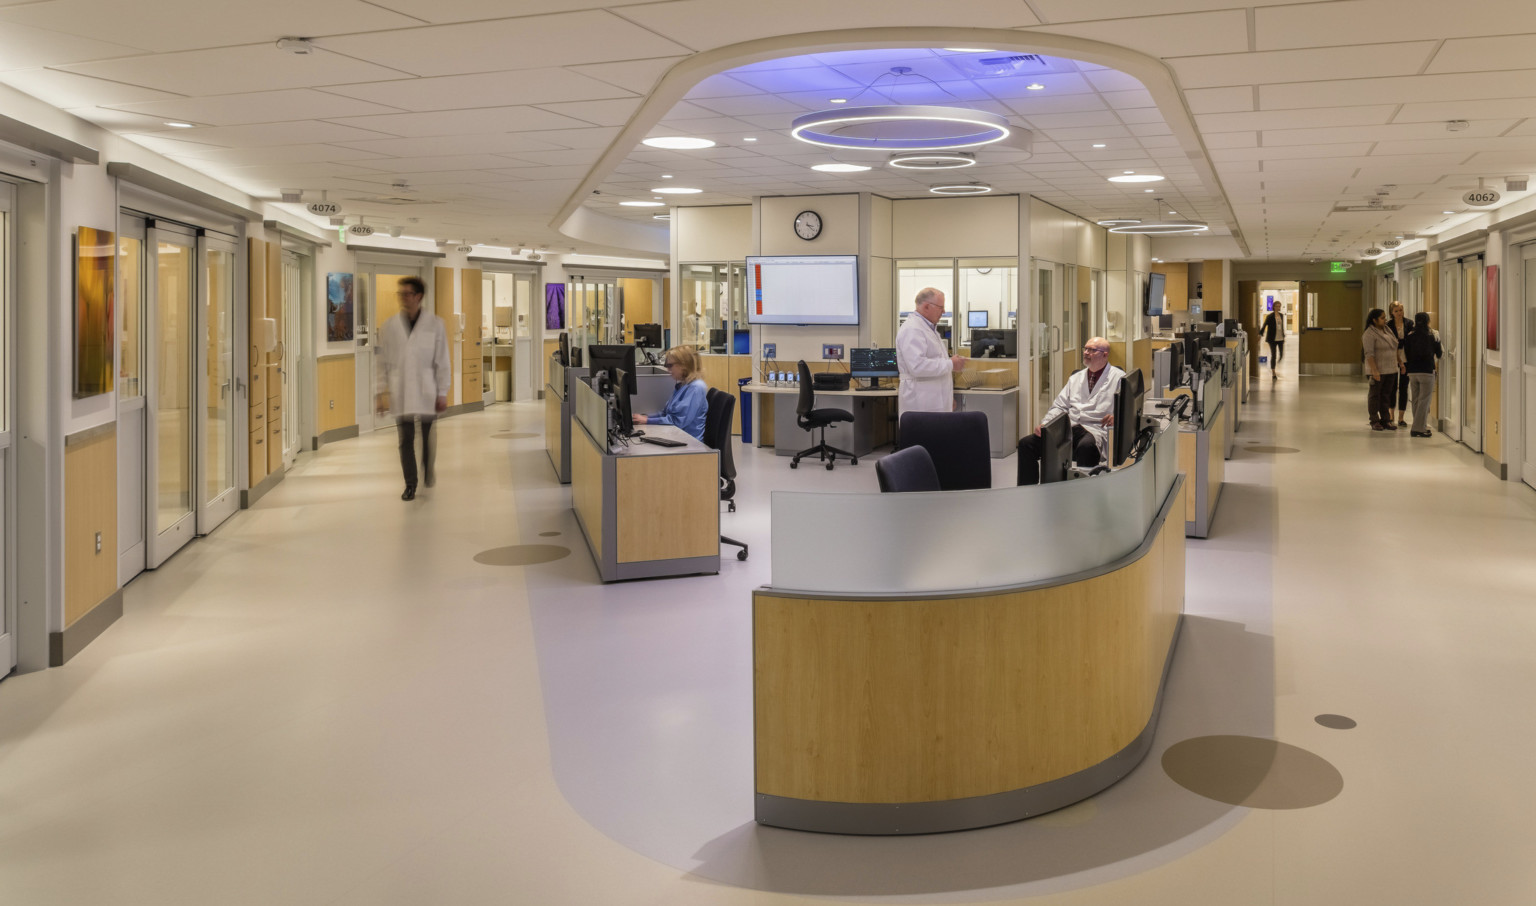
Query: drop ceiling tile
pixel 440 177
pixel 172 25
pixel 22 47
pixel 1477 133
pixel 540 174
pixel 1453 146
pixel 1304 118
pixel 1089 134
pixel 265 134
pixel 258 107
pixel 231 70
pixel 1220 100
pixel 487 89
pixel 318 170
pixel 431 164
pixel 634 75
pixel 821 79
pixel 440 11
pixel 489 143
pixel 278 154
pixel 697 23
pixel 700 126
pixel 1467 109
pixel 749 106
pixel 587 137
pixel 1400 90
pixel 591 36
pixel 1050 122
pixel 67 89
pixel 1232 140
pixel 1114 81
pixel 1182 35
pixel 584 156
pixel 1387 20
pixel 597 113
pixel 1331 151
pixel 1130 100
pixel 1354 61
pixel 464 122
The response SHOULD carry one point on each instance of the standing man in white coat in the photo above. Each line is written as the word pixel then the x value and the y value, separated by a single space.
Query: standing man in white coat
pixel 1088 402
pixel 415 376
pixel 927 369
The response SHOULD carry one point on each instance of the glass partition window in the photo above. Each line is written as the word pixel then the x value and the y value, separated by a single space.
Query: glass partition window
pixel 130 293
pixel 218 462
pixel 987 296
pixel 174 281
pixel 712 299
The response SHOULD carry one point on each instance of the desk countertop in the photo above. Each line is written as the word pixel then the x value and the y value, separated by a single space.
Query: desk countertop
pixel 764 388
pixel 638 447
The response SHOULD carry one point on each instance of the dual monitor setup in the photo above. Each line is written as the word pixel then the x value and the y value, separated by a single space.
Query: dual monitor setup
pixel 613 377
pixel 1128 437
pixel 1190 362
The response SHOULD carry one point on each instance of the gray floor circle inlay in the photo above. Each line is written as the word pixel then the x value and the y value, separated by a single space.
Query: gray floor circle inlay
pixel 548 534
pixel 1253 772
pixel 1336 721
pixel 1265 448
pixel 522 554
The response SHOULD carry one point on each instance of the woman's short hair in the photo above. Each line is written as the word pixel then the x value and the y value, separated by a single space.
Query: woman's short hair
pixel 1371 318
pixel 686 357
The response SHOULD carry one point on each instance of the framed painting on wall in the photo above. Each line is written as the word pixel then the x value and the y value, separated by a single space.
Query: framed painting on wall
pixel 554 306
pixel 338 307
pixel 95 282
pixel 1492 294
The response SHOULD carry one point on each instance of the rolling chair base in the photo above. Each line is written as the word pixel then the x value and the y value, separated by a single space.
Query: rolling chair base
pixel 824 453
pixel 741 554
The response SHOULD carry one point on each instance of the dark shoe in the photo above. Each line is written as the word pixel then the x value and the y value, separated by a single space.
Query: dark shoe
pixel 1389 426
pixel 1400 424
pixel 1375 426
pixel 410 494
pixel 1420 434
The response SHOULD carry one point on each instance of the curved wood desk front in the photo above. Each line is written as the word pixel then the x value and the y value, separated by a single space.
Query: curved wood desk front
pixel 906 714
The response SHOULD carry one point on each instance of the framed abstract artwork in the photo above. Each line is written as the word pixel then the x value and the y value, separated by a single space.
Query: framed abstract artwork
pixel 95 283
pixel 338 307
pixel 1492 280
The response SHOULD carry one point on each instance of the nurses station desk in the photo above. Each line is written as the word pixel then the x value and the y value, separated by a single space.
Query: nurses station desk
pixel 907 682
pixel 654 386
pixel 874 416
pixel 644 510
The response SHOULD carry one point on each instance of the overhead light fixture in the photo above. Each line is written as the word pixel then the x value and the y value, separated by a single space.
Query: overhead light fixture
pixel 1117 221
pixel 837 100
pixel 968 188
pixel 1447 212
pixel 177 125
pixel 1131 176
pixel 1161 227
pixel 901 127
pixel 749 138
pixel 676 190
pixel 642 204
pixel 666 176
pixel 1100 145
pixel 1146 190
pixel 661 216
pixel 932 160
pixel 677 143
pixel 840 168
pixel 1035 86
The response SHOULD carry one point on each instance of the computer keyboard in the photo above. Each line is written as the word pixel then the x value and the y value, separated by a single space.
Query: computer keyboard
pixel 660 441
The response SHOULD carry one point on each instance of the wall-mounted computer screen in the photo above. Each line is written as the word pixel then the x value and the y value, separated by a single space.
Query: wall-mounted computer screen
pixel 976 319
pixel 648 336
pixel 1156 285
pixel 803 289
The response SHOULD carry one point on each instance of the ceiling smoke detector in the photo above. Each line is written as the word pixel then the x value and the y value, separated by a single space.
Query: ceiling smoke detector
pixel 299 46
pixel 1457 126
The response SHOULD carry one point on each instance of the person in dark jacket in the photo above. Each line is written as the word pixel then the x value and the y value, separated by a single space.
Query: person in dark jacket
pixel 1397 387
pixel 1421 356
pixel 1273 331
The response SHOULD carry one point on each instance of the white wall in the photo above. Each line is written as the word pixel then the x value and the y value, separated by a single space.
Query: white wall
pixel 721 233
pixel 980 227
pixel 840 235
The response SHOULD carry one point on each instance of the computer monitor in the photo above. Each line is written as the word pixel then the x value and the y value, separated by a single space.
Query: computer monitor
pixel 1165 322
pixel 741 342
pixel 1010 342
pixel 1055 449
pixel 976 319
pixel 1175 366
pixel 1194 347
pixel 1229 327
pixel 648 336
pixel 986 344
pixel 613 360
pixel 1214 317
pixel 904 315
pixel 717 339
pixel 1152 302
pixel 873 363
pixel 1128 403
pixel 623 422
pixel 564 352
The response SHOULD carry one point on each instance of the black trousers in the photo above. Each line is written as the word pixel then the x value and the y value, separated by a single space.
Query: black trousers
pixel 1276 353
pixel 1402 393
pixel 407 427
pixel 1376 401
pixel 1085 452
pixel 1392 386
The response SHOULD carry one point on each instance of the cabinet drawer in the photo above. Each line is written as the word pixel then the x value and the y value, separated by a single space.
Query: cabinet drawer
pixel 258 420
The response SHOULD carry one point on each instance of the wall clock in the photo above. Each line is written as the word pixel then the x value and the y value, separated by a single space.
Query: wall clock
pixel 808 225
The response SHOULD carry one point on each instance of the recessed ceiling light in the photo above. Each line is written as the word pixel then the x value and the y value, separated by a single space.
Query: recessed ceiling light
pixel 678 143
pixel 1035 86
pixel 840 168
pixel 180 125
pixel 1100 145
pixel 676 190
pixel 837 101
pixel 1128 176
pixel 641 204
pixel 966 188
pixel 1146 190
pixel 749 138
pixel 1447 212
pixel 666 176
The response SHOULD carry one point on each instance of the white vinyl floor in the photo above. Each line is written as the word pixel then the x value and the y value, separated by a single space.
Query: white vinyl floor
pixel 331 701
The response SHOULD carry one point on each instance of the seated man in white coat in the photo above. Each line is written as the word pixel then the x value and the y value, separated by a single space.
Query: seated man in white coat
pixel 1088 402
pixel 927 369
pixel 415 377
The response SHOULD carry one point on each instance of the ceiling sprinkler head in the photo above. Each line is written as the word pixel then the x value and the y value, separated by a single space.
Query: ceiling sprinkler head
pixel 300 46
pixel 1457 126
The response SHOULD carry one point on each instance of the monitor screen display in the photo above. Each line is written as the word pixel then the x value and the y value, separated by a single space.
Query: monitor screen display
pixel 872 362
pixel 803 289
pixel 976 319
pixel 1156 284
pixel 648 336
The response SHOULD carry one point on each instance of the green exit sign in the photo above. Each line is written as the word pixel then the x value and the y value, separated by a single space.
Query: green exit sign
pixel 1337 267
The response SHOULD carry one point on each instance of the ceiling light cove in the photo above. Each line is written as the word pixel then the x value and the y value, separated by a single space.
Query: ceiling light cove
pixel 901 127
pixel 1162 227
pixel 661 216
pixel 677 143
pixel 676 190
pixel 840 168
pixel 1117 221
pixel 932 160
pixel 642 204
pixel 968 188
pixel 1136 177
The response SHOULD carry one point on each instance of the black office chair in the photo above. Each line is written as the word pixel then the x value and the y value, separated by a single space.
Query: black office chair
pixel 907 470
pixel 958 442
pixel 811 419
pixel 717 436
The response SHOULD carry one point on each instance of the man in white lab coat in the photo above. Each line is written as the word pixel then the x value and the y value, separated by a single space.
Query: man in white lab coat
pixel 927 369
pixel 415 376
pixel 1088 402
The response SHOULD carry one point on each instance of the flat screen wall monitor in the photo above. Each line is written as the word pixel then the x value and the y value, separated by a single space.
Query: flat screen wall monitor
pixel 1165 322
pixel 1152 304
pixel 872 363
pixel 717 339
pixel 613 360
pixel 976 319
pixel 648 336
pixel 1055 449
pixel 1214 317
pixel 1128 403
pixel 803 289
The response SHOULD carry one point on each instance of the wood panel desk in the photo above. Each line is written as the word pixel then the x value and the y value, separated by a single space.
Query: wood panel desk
pixel 645 510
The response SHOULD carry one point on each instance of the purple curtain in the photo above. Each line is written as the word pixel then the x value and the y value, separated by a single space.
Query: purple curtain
pixel 554 306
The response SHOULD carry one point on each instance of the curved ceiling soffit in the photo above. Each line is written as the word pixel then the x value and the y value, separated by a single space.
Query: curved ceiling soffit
pixel 681 78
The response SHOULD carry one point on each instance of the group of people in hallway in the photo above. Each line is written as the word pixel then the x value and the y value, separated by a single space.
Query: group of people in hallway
pixel 1401 359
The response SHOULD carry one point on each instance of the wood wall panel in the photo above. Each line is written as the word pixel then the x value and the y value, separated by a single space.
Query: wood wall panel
pixel 587 486
pixel 90 506
pixel 1176 289
pixel 336 380
pixel 896 701
pixel 668 506
pixel 471 286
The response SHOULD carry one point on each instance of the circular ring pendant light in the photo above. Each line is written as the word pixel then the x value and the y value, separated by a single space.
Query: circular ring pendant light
pixel 965 188
pixel 1162 227
pixel 901 127
pixel 932 160
pixel 1117 221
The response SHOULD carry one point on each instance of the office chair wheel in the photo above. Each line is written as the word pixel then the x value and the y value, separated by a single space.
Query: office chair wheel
pixel 829 465
pixel 741 554
pixel 794 463
pixel 854 461
pixel 732 507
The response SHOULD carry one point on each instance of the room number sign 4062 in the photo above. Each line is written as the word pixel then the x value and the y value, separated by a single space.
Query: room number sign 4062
pixel 1480 198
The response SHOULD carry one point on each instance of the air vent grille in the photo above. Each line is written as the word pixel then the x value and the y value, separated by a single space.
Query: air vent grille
pixel 1365 208
pixel 393 200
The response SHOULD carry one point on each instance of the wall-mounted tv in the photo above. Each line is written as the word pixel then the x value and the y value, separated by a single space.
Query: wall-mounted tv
pixel 1153 303
pixel 803 289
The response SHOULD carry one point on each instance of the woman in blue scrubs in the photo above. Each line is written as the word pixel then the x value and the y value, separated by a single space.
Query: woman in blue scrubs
pixel 687 407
